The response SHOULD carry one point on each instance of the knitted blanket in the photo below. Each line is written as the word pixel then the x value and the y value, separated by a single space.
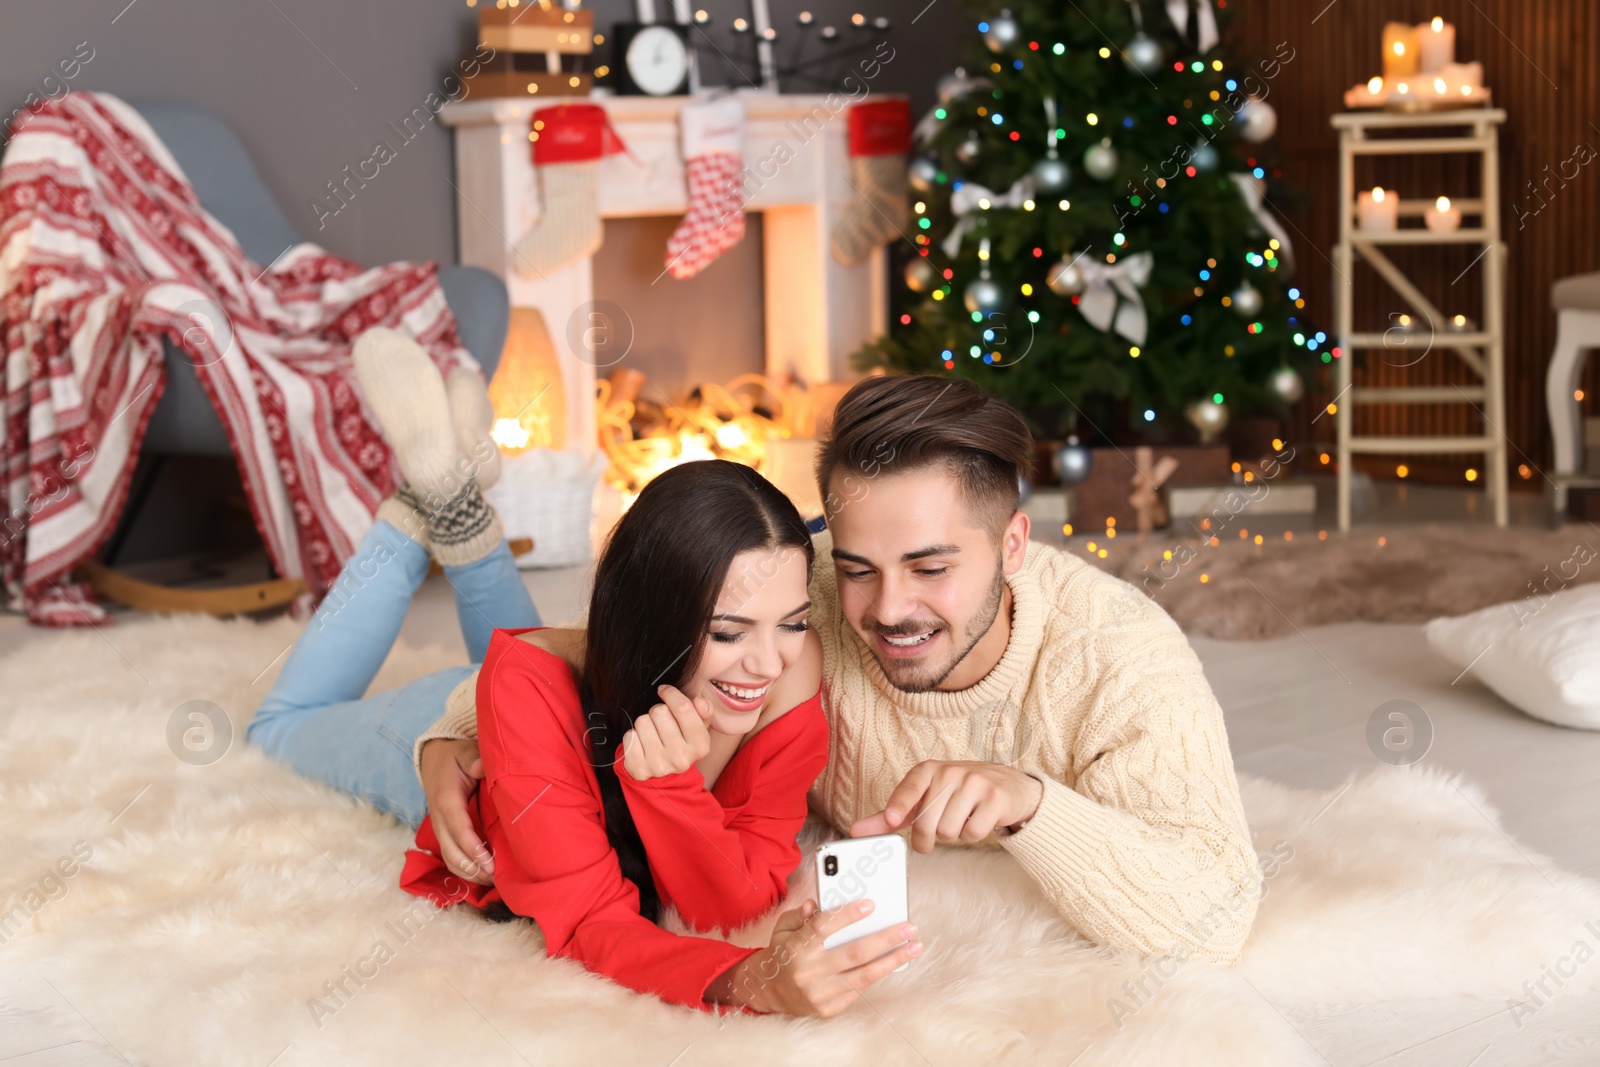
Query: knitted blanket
pixel 105 252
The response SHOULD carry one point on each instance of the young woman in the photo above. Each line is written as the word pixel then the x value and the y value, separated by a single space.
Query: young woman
pixel 670 769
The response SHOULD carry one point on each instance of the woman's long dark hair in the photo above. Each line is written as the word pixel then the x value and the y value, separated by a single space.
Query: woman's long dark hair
pixel 655 589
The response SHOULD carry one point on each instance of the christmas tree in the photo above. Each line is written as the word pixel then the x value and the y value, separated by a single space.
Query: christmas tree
pixel 1092 224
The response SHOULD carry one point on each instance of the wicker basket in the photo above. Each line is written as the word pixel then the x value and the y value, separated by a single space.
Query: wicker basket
pixel 549 496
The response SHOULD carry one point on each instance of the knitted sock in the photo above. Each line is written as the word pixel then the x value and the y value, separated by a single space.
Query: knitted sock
pixel 569 223
pixel 406 394
pixel 880 136
pixel 714 221
pixel 399 511
pixel 713 153
pixel 473 417
pixel 879 214
pixel 462 528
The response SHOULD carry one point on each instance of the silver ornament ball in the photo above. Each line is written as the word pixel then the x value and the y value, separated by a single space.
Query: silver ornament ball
pixel 953 85
pixel 1204 158
pixel 1101 161
pixel 920 275
pixel 1072 462
pixel 982 295
pixel 1051 174
pixel 1002 33
pixel 1065 278
pixel 922 174
pixel 969 150
pixel 1209 417
pixel 1143 54
pixel 1257 120
pixel 1247 301
pixel 1286 383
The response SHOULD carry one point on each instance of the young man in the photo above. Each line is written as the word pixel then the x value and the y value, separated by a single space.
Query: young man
pixel 985 689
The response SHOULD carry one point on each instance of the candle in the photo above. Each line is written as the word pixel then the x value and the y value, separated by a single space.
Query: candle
pixel 1368 95
pixel 1436 45
pixel 1441 217
pixel 1399 50
pixel 1378 210
pixel 1463 79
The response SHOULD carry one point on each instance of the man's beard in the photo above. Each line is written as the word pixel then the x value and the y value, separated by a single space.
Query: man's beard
pixel 916 678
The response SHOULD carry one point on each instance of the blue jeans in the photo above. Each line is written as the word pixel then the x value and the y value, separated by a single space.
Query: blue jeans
pixel 316 719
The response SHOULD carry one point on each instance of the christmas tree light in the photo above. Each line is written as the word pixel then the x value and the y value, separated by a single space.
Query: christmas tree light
pixel 1122 245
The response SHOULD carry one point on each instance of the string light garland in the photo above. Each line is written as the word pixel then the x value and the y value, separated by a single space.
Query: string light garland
pixel 719 424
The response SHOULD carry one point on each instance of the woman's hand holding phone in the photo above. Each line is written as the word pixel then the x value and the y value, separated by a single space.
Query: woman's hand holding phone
pixel 670 739
pixel 795 975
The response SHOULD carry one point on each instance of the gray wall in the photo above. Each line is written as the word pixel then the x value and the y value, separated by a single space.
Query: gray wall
pixel 311 84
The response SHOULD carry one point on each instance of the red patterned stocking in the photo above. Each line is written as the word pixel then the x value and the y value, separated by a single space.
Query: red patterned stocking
pixel 713 148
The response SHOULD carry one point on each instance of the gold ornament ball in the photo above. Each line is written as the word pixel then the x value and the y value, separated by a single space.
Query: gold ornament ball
pixel 1209 417
pixel 920 275
pixel 1065 278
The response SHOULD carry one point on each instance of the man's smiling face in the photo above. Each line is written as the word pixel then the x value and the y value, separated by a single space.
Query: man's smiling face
pixel 921 578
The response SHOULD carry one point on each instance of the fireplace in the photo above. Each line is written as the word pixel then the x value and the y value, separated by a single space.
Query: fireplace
pixel 814 311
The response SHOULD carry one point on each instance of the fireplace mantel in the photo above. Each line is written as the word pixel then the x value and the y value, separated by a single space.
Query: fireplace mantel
pixel 817 310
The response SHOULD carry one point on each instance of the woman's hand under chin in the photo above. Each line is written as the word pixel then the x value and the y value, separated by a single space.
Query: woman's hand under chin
pixel 670 739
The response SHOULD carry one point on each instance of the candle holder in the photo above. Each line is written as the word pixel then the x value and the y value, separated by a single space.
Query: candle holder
pixel 1441 217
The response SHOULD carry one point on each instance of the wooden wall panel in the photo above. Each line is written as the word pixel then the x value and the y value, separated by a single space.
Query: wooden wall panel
pixel 1539 57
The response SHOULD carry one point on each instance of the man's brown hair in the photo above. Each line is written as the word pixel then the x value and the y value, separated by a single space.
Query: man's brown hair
pixel 900 423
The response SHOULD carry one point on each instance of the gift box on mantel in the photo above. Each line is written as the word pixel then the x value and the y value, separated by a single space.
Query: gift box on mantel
pixel 520 49
pixel 1114 489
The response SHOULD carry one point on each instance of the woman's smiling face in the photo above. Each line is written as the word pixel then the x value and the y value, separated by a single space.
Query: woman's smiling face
pixel 757 632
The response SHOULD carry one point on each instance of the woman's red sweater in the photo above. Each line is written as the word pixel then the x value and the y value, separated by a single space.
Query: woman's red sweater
pixel 720 856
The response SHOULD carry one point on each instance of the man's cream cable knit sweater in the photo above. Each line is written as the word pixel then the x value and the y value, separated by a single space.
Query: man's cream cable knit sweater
pixel 1140 839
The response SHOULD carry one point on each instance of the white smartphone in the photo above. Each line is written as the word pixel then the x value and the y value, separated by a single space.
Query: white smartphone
pixel 863 868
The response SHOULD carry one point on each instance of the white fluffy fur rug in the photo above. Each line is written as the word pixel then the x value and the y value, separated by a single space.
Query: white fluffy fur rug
pixel 205 921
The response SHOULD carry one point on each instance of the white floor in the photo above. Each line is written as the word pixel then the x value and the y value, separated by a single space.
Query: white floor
pixel 1297 711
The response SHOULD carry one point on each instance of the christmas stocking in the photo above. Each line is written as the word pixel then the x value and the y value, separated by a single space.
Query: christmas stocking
pixel 880 137
pixel 568 141
pixel 713 152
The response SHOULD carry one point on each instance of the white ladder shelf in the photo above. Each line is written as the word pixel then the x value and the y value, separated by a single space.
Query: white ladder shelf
pixel 1483 350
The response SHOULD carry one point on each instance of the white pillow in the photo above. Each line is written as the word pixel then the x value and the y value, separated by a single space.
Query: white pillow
pixel 1542 656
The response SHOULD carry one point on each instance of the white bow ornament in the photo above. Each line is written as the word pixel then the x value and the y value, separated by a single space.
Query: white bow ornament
pixel 1104 282
pixel 1206 19
pixel 974 197
pixel 1254 193
pixel 952 88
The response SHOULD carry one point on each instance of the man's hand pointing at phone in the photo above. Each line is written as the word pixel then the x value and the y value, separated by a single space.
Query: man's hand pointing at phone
pixel 955 802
